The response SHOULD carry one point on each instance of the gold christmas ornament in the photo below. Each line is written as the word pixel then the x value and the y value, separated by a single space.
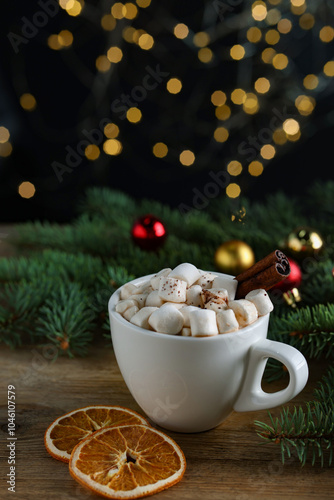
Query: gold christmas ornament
pixel 234 257
pixel 304 242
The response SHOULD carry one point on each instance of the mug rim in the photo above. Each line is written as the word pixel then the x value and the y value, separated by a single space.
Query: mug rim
pixel 118 317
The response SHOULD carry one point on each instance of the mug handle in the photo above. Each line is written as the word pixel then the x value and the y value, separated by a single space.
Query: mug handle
pixel 252 397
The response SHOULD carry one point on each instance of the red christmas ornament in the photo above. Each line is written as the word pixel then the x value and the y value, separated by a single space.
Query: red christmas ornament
pixel 148 232
pixel 293 280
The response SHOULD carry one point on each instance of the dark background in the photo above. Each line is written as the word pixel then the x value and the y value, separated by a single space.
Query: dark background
pixel 72 96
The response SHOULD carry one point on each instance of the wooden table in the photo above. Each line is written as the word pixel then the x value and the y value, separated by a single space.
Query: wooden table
pixel 228 462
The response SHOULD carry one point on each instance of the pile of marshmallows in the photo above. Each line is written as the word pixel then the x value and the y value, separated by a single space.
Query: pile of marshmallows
pixel 189 302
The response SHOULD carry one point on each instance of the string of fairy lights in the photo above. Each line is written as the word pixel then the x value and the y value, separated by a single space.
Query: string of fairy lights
pixel 261 42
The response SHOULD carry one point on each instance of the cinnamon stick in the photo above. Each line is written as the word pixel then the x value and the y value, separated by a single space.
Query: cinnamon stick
pixel 264 274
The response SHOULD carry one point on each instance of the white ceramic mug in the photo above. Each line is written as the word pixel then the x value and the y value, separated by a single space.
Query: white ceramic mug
pixel 190 384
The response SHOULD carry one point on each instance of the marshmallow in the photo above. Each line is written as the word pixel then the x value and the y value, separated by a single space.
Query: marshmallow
pixel 127 290
pixel 185 313
pixel 227 322
pixel 228 283
pixel 123 305
pixel 178 305
pixel 203 323
pixel 143 287
pixel 244 310
pixel 186 332
pixel 219 295
pixel 140 298
pixel 166 319
pixel 155 280
pixel 194 297
pixel 172 290
pixel 142 316
pixel 215 305
pixel 186 272
pixel 261 300
pixel 130 312
pixel 153 299
pixel 206 280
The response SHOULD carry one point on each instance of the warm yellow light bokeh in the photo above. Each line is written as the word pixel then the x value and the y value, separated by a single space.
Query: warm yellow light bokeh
pixel 205 55
pixel 234 168
pixel 267 151
pixel 134 115
pixel 262 85
pixel 233 190
pixel 255 168
pixel 306 21
pixel 53 42
pixel 291 126
pixel 111 130
pixel 146 41
pixel 201 39
pixel 305 104
pixel 279 136
pixel 254 34
pixel 238 96
pixel 65 38
pixel 28 102
pixel 272 37
pixel 160 150
pixel 92 152
pixel 284 26
pixel 26 190
pixel 237 52
pixel 326 34
pixel 280 61
pixel 268 55
pixel 4 135
pixel 112 147
pixel 259 11
pixel 131 10
pixel 218 98
pixel 251 104
pixel 329 68
pixel 5 149
pixel 73 7
pixel 108 22
pixel 181 31
pixel 223 112
pixel 118 10
pixel 174 85
pixel 114 54
pixel 187 157
pixel 143 3
pixel 102 63
pixel 221 134
pixel 311 82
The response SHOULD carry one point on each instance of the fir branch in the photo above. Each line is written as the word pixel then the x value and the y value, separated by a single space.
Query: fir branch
pixel 19 305
pixel 66 319
pixel 318 287
pixel 310 432
pixel 107 204
pixel 309 329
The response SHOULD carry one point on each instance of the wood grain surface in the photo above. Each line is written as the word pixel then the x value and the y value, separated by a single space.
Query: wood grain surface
pixel 228 462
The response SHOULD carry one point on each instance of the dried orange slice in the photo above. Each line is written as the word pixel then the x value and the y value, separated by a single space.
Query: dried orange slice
pixel 69 429
pixel 127 462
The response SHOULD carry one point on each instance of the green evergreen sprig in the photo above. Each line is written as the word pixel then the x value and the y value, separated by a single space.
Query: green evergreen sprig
pixel 309 432
pixel 309 329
